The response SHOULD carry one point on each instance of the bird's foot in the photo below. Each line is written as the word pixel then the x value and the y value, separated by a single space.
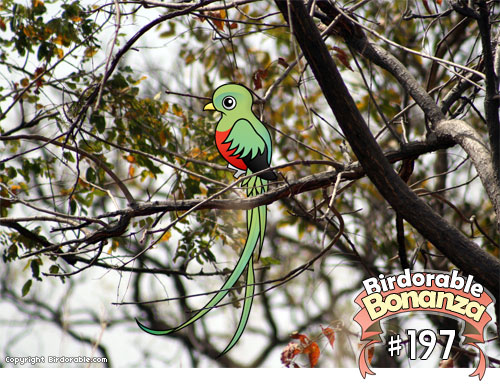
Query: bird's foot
pixel 237 172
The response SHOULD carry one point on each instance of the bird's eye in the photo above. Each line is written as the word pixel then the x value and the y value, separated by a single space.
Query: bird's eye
pixel 228 103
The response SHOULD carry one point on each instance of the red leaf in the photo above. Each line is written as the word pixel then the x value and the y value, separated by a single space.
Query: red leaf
pixel 219 17
pixel 38 72
pixel 302 337
pixel 312 350
pixel 306 346
pixel 342 56
pixel 257 78
pixel 330 334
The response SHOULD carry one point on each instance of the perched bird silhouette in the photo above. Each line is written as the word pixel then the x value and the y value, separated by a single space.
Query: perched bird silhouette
pixel 245 144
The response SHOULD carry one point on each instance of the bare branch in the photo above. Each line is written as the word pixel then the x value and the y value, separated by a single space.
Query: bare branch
pixel 95 159
pixel 463 252
pixel 492 99
pixel 463 134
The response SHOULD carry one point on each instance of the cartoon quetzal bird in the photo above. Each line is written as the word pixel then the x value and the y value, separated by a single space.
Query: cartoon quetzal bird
pixel 245 144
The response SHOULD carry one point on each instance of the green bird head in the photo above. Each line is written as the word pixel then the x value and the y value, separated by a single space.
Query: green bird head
pixel 231 99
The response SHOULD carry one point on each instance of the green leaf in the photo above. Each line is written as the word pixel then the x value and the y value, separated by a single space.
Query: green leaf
pixel 26 287
pixel 12 173
pixel 68 156
pixel 12 253
pixel 90 175
pixel 268 261
pixel 73 206
pixel 35 269
pixel 99 122
pixel 170 31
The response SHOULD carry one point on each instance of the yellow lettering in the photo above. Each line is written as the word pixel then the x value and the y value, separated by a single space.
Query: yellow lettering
pixel 372 302
pixel 393 302
pixel 427 299
pixel 476 316
pixel 441 296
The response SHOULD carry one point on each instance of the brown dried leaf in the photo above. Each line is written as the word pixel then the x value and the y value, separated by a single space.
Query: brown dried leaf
pixel 289 353
pixel 312 350
pixel 301 337
pixel 342 56
pixel 219 17
pixel 371 350
pixel 257 78
pixel 330 334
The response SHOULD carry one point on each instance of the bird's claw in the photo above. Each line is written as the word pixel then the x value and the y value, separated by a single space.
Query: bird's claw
pixel 238 173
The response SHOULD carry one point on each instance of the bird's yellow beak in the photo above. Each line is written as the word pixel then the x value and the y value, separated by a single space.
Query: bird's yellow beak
pixel 209 107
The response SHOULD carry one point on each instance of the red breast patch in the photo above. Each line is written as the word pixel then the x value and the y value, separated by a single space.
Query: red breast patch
pixel 220 137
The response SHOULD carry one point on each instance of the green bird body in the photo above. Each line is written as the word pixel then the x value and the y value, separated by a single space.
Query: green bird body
pixel 244 142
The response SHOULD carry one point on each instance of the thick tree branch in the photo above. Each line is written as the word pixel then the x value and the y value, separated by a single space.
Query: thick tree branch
pixel 291 188
pixel 479 153
pixel 384 59
pixel 483 161
pixel 491 101
pixel 463 252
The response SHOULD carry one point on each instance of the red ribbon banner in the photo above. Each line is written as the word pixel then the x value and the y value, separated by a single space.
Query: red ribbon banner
pixel 436 292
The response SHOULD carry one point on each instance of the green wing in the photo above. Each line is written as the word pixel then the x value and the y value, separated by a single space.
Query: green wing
pixel 245 139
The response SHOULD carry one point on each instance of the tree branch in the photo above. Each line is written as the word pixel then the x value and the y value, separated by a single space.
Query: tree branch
pixel 491 101
pixel 291 188
pixel 463 252
pixel 463 134
pixel 98 162
pixel 483 161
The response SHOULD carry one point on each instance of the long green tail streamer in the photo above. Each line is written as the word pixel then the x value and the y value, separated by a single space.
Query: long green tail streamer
pixel 256 226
